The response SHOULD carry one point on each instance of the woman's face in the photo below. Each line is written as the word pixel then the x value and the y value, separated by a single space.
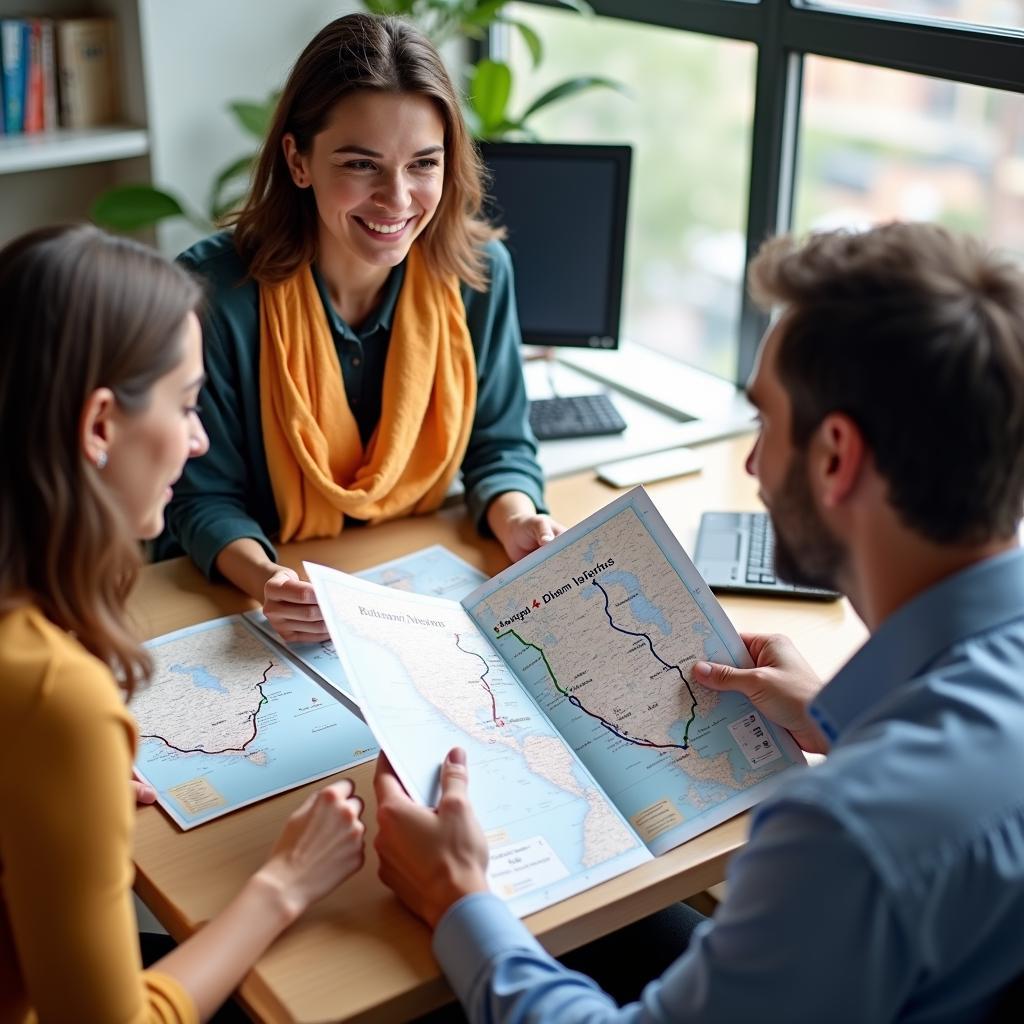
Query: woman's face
pixel 377 171
pixel 146 451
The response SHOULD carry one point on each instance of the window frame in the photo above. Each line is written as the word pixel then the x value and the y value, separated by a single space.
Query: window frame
pixel 784 31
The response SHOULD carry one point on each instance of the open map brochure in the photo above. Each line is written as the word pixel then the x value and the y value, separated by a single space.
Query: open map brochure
pixel 567 680
pixel 234 715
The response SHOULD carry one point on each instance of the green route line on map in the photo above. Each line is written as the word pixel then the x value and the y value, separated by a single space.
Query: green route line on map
pixel 575 701
pixel 227 750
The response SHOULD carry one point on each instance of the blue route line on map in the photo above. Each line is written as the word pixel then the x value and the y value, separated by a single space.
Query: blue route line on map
pixel 667 664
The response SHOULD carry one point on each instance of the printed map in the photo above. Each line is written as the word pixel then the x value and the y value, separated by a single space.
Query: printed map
pixel 434 570
pixel 426 681
pixel 228 720
pixel 603 631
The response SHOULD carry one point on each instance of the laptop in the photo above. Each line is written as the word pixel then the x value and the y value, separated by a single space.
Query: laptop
pixel 735 553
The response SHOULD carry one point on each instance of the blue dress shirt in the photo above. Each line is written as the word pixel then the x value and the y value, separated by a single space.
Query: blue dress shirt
pixel 885 884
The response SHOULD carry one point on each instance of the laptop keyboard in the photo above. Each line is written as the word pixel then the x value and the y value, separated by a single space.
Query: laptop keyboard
pixel 761 554
pixel 735 553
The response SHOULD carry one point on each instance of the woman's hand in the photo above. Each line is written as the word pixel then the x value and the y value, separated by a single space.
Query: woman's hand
pixel 781 686
pixel 320 846
pixel 519 526
pixel 143 792
pixel 291 606
pixel 524 534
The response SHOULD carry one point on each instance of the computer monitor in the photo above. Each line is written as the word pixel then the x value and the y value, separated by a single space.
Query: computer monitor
pixel 564 207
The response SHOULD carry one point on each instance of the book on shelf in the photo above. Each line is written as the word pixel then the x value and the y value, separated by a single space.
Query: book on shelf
pixel 568 680
pixel 14 63
pixel 87 71
pixel 29 75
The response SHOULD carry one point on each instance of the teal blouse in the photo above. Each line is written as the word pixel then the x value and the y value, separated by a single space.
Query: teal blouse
pixel 226 494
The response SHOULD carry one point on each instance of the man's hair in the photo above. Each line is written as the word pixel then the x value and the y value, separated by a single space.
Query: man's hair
pixel 918 336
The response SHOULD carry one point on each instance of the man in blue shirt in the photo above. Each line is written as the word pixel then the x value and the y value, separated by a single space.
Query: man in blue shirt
pixel 887 883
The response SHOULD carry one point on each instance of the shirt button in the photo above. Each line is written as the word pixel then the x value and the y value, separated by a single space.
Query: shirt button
pixel 356 360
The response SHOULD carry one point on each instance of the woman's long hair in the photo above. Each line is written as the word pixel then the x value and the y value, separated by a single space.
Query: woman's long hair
pixel 276 229
pixel 80 310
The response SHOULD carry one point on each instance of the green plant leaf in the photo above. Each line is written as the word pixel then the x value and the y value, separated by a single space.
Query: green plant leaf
pixel 240 168
pixel 579 6
pixel 529 36
pixel 131 207
pixel 225 206
pixel 571 87
pixel 254 117
pixel 489 89
pixel 511 130
pixel 483 13
pixel 389 6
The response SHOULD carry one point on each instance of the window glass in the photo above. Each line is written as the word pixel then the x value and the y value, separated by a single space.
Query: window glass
pixel 990 13
pixel 689 121
pixel 878 145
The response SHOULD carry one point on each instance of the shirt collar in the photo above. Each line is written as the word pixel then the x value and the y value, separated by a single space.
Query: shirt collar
pixel 379 320
pixel 978 598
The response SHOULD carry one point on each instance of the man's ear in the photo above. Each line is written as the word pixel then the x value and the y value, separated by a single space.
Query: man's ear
pixel 97 427
pixel 838 452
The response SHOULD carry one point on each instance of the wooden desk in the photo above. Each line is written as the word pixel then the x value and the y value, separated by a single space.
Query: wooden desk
pixel 358 954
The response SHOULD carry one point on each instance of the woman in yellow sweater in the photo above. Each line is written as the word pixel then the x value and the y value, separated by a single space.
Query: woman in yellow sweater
pixel 100 364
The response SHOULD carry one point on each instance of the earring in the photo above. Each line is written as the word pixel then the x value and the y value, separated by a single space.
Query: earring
pixel 101 460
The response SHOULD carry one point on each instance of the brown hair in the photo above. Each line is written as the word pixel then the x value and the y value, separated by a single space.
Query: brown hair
pixel 276 229
pixel 81 310
pixel 918 336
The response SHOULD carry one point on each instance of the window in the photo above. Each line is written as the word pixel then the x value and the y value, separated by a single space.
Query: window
pixel 688 118
pixel 756 117
pixel 995 13
pixel 880 145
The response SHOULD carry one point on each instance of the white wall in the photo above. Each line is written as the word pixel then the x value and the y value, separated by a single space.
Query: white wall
pixel 197 55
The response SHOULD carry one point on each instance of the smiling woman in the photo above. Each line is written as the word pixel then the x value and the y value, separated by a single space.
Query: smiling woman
pixel 361 330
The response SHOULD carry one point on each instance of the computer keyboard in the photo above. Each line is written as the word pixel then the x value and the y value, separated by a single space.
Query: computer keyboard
pixel 761 553
pixel 574 416
pixel 735 553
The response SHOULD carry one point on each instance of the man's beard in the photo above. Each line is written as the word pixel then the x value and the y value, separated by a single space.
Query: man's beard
pixel 806 552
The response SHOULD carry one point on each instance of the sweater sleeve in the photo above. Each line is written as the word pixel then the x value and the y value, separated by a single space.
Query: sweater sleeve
pixel 66 820
pixel 502 452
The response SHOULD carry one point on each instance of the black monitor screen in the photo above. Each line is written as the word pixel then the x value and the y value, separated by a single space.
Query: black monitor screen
pixel 564 207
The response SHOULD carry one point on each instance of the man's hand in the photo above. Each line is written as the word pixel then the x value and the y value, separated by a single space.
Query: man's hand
pixel 431 859
pixel 781 685
pixel 291 606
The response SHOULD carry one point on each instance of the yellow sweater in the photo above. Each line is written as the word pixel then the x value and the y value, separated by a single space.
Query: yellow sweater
pixel 69 949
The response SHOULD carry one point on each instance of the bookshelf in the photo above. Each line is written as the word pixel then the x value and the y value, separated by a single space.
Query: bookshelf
pixel 54 176
pixel 22 153
pixel 180 64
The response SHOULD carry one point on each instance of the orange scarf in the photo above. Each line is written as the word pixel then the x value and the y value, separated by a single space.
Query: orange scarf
pixel 318 468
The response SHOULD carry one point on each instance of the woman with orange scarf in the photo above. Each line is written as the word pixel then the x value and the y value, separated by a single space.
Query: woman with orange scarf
pixel 362 339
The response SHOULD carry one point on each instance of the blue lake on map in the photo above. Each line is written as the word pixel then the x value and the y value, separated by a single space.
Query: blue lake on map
pixel 640 607
pixel 200 677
